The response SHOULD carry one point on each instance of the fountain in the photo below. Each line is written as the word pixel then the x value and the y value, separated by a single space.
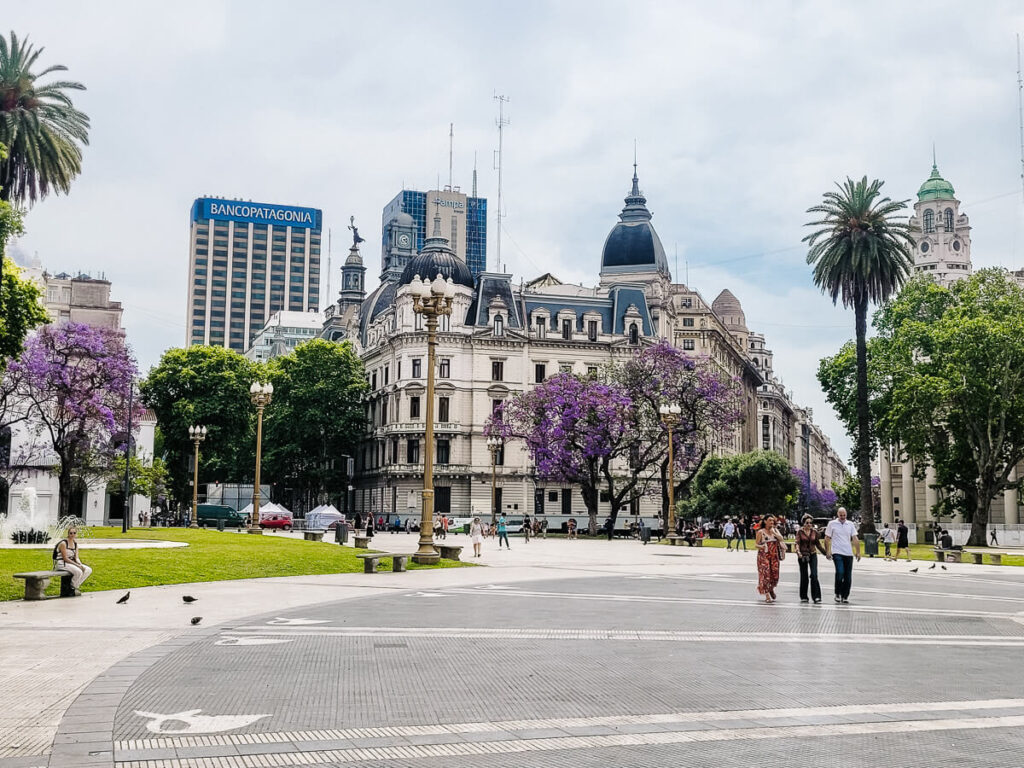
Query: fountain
pixel 27 526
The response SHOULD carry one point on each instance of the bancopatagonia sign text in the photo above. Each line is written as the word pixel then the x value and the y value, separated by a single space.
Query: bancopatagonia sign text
pixel 449 203
pixel 261 213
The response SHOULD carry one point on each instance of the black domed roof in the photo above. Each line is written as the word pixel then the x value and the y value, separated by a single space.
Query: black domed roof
pixel 633 244
pixel 429 263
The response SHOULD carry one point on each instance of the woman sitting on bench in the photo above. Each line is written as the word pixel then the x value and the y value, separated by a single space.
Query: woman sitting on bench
pixel 65 558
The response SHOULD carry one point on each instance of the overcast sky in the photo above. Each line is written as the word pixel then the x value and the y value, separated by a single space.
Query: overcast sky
pixel 743 114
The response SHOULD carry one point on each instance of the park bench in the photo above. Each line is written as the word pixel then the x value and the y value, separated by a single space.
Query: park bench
pixel 370 560
pixel 361 542
pixel 448 551
pixel 995 555
pixel 36 583
pixel 947 555
pixel 313 535
pixel 679 540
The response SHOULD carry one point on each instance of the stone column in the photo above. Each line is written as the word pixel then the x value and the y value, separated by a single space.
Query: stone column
pixel 907 502
pixel 1011 512
pixel 931 495
pixel 885 489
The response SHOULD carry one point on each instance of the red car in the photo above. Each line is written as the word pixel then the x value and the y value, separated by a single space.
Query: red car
pixel 284 522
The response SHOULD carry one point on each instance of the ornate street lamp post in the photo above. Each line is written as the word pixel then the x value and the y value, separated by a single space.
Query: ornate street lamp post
pixel 430 299
pixel 196 434
pixel 670 418
pixel 494 445
pixel 261 395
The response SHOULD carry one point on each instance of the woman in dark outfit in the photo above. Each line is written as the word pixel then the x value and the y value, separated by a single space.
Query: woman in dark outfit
pixel 807 541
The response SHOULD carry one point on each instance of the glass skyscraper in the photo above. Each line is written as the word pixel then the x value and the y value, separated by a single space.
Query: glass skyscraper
pixel 464 222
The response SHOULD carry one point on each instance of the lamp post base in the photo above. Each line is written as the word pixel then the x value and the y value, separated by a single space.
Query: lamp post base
pixel 194 524
pixel 255 530
pixel 425 559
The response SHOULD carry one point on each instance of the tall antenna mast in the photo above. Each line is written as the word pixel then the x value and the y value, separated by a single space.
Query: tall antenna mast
pixel 1020 113
pixel 474 174
pixel 502 122
pixel 329 297
pixel 451 145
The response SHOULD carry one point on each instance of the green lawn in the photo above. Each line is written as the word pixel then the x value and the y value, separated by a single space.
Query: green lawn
pixel 210 556
pixel 917 551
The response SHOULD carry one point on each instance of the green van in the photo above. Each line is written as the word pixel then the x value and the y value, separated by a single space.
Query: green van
pixel 209 514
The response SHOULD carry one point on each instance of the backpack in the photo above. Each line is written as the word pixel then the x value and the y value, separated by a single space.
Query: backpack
pixel 56 549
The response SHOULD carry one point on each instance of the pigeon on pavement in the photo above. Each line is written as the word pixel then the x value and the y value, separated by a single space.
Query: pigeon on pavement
pixel 931 567
pixel 124 599
pixel 196 619
pixel 188 599
pixel 913 570
pixel 944 568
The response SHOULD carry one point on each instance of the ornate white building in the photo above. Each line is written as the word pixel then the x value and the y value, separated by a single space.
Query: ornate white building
pixel 503 338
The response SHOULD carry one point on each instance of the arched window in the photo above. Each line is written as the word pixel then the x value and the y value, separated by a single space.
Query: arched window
pixel 949 219
pixel 634 334
pixel 929 221
pixel 499 325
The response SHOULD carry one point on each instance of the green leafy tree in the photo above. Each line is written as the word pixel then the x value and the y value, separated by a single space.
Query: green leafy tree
pixel 954 358
pixel 861 254
pixel 39 124
pixel 748 484
pixel 146 478
pixel 315 420
pixel 207 386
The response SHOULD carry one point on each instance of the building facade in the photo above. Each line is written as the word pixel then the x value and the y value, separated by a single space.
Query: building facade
pixel 503 338
pixel 463 222
pixel 247 261
pixel 942 235
pixel 283 332
pixel 77 298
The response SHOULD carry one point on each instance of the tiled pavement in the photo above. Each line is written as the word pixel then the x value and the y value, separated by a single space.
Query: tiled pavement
pixel 663 661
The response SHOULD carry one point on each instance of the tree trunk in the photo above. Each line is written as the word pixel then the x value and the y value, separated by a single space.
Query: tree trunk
pixel 867 514
pixel 64 481
pixel 664 497
pixel 979 522
pixel 590 500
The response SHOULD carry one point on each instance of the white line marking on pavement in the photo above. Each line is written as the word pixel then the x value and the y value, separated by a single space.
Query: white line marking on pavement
pixel 514 746
pixel 610 721
pixel 633 598
pixel 279 622
pixel 252 641
pixel 638 635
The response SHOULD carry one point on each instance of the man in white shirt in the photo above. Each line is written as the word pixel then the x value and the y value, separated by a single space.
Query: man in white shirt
pixel 842 545
pixel 729 531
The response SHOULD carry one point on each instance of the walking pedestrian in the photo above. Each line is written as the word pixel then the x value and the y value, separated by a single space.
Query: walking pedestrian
pixel 902 540
pixel 992 538
pixel 526 529
pixel 503 532
pixel 888 537
pixel 770 552
pixel 609 528
pixel 476 535
pixel 741 534
pixel 645 532
pixel 544 528
pixel 807 541
pixel 444 526
pixel 729 531
pixel 842 545
pixel 571 527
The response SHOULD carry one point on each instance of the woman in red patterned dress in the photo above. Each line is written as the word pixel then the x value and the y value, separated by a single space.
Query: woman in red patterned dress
pixel 770 551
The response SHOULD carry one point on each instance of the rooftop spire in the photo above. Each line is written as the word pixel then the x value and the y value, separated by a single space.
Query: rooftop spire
pixel 635 192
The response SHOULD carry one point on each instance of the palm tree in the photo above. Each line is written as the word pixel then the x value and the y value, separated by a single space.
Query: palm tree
pixel 861 254
pixel 43 131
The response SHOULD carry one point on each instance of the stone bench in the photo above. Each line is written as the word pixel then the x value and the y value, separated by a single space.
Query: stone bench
pixel 674 540
pixel 996 558
pixel 947 555
pixel 370 560
pixel 36 583
pixel 361 542
pixel 448 551
pixel 313 535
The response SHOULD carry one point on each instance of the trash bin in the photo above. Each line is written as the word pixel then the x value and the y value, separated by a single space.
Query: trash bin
pixel 220 524
pixel 341 533
pixel 870 544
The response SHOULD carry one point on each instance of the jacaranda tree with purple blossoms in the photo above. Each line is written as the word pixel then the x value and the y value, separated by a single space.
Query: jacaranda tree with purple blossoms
pixel 74 379
pixel 711 408
pixel 604 432
pixel 571 426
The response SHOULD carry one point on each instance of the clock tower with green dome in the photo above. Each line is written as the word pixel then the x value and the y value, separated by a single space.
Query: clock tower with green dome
pixel 942 234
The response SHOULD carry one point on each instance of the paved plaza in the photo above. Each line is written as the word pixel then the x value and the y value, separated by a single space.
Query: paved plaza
pixel 585 653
